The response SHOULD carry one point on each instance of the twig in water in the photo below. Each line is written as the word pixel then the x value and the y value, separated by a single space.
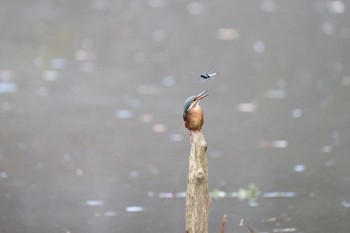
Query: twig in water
pixel 243 223
pixel 223 223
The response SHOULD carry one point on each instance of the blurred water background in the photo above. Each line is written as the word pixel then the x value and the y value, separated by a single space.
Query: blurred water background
pixel 91 102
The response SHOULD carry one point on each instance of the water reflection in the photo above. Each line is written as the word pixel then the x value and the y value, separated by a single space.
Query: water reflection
pixel 133 209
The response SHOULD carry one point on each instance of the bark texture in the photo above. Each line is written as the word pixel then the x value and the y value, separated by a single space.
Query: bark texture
pixel 197 195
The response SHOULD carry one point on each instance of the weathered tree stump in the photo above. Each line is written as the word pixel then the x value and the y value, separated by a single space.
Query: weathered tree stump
pixel 197 194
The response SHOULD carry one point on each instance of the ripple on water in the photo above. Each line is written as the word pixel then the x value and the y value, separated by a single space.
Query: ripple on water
pixel 133 209
pixel 110 214
pixel 278 194
pixel 168 81
pixel 176 137
pixel 336 7
pixel 273 144
pixel 268 6
pixel 94 202
pixel 246 107
pixel 146 118
pixel 195 8
pixel 296 113
pixel 8 87
pixel 50 75
pixel 299 168
pixel 123 114
pixel 227 33
pixel 159 128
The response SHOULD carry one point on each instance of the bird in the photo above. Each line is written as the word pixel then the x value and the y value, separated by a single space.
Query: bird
pixel 193 113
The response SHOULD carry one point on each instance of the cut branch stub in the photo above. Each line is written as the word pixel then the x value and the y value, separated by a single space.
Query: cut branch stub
pixel 197 195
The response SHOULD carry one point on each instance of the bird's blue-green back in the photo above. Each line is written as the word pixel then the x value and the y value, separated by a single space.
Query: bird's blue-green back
pixel 188 102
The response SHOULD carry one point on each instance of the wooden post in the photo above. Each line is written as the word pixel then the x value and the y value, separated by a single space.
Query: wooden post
pixel 197 195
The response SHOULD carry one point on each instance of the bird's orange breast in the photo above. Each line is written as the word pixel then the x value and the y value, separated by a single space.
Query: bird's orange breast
pixel 194 118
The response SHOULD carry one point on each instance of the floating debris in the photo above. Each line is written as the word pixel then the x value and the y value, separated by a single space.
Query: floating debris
pixel 94 203
pixel 246 107
pixel 133 209
pixel 244 224
pixel 123 114
pixel 8 87
pixel 216 193
pixel 273 144
pixel 251 193
pixel 278 194
pixel 227 33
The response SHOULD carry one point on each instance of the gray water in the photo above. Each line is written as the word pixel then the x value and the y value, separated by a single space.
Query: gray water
pixel 91 101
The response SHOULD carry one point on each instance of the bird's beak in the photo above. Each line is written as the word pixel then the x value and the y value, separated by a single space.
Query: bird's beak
pixel 202 95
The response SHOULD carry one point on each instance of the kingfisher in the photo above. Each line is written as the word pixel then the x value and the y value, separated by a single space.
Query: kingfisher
pixel 193 113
